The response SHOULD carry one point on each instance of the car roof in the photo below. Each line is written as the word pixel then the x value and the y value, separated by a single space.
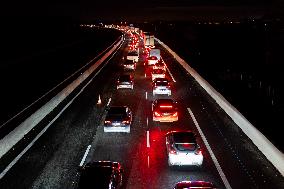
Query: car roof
pixel 164 101
pixel 160 80
pixel 125 76
pixel 98 176
pixel 183 136
pixel 194 184
pixel 158 71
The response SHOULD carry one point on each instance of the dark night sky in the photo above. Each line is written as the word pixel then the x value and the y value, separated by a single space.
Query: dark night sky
pixel 135 10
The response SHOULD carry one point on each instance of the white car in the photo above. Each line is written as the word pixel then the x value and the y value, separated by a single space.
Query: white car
pixel 182 149
pixel 152 60
pixel 133 55
pixel 161 86
pixel 158 73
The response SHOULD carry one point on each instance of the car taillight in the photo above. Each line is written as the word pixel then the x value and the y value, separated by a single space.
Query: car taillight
pixel 157 114
pixel 198 152
pixel 107 121
pixel 166 106
pixel 126 122
pixel 172 150
pixel 175 114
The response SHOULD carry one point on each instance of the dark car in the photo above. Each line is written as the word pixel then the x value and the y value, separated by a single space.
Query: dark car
pixel 125 81
pixel 101 175
pixel 118 119
pixel 194 184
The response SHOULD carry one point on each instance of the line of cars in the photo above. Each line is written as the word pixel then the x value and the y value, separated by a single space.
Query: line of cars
pixel 181 146
pixel 109 174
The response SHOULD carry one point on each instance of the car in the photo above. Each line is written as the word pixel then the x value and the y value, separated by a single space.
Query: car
pixel 160 65
pixel 161 86
pixel 158 73
pixel 194 184
pixel 101 174
pixel 152 60
pixel 182 149
pixel 133 55
pixel 118 119
pixel 125 81
pixel 129 65
pixel 165 110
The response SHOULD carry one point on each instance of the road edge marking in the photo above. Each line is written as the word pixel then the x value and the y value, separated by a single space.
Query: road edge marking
pixel 215 161
pixel 85 156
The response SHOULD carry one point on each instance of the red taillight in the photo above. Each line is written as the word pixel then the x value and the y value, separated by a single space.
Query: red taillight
pixel 172 150
pixel 175 114
pixel 126 122
pixel 166 106
pixel 198 152
pixel 157 114
pixel 107 121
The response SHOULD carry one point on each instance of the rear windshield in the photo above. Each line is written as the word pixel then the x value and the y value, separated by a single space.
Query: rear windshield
pixel 185 146
pixel 117 111
pixel 158 71
pixel 184 137
pixel 133 54
pixel 124 78
pixel 161 83
pixel 128 62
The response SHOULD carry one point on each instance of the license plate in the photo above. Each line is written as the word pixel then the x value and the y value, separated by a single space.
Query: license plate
pixel 116 124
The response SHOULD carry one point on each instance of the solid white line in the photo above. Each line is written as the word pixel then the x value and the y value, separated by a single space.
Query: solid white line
pixel 216 163
pixel 146 95
pixel 148 139
pixel 148 161
pixel 170 73
pixel 109 100
pixel 50 123
pixel 85 155
pixel 145 75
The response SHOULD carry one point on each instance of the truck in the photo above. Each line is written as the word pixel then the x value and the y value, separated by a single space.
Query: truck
pixel 149 40
pixel 156 53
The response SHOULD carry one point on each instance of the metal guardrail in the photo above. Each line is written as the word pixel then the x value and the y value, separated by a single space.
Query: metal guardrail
pixel 13 122
pixel 275 156
pixel 14 144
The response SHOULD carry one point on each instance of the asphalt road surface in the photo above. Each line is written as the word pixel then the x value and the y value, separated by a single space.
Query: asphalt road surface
pixel 230 158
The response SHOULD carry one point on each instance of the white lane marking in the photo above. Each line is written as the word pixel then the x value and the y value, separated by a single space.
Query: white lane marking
pixel 109 100
pixel 170 73
pixel 145 75
pixel 146 95
pixel 4 172
pixel 148 161
pixel 147 122
pixel 85 155
pixel 148 139
pixel 216 163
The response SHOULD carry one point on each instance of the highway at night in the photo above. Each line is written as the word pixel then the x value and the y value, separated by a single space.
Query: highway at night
pixel 231 160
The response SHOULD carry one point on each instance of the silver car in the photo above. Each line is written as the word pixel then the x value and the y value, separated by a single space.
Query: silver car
pixel 183 149
pixel 125 81
pixel 161 86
